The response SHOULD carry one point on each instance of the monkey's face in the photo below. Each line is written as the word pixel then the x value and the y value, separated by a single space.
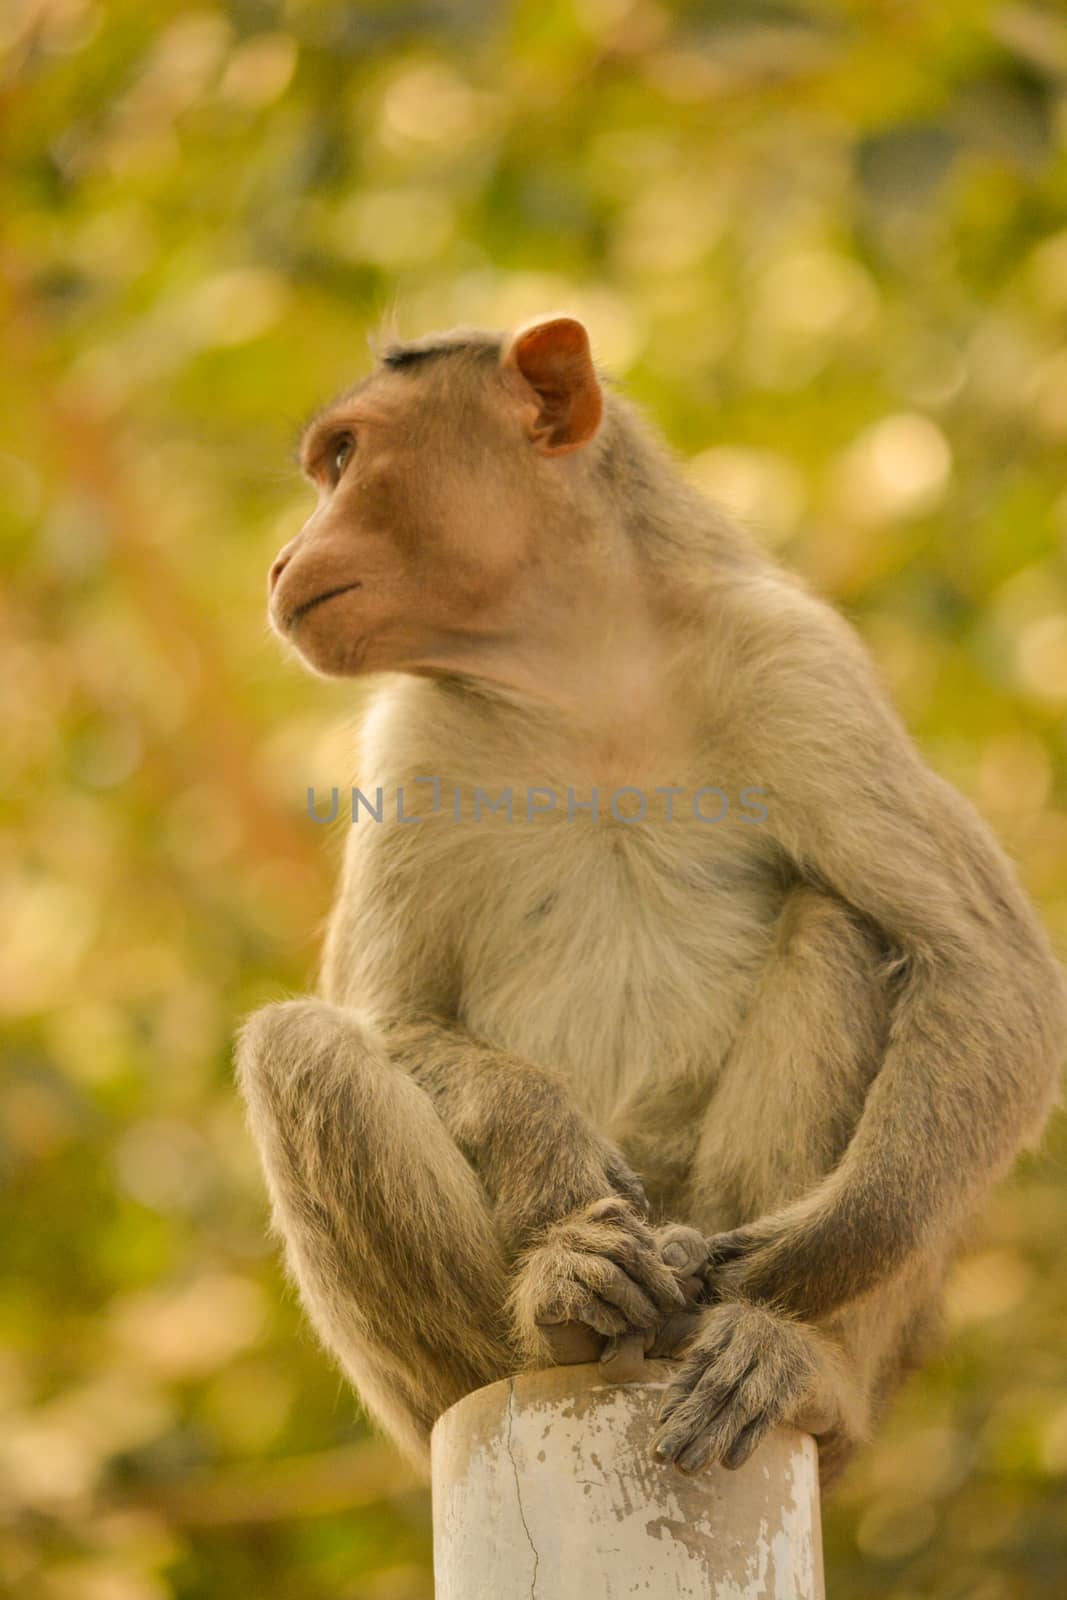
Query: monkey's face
pixel 429 543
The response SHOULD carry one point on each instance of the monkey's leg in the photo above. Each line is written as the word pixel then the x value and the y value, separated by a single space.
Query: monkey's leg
pixel 387 1230
pixel 569 1212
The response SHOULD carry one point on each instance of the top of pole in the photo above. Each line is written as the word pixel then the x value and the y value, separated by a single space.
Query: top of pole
pixel 545 1488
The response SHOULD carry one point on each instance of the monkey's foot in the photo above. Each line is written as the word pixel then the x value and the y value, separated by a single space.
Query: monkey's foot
pixel 600 1268
pixel 748 1371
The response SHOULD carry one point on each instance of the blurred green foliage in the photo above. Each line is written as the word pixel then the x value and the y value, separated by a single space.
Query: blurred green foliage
pixel 825 243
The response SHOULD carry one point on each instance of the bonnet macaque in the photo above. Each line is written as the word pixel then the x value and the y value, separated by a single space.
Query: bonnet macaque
pixel 603 1065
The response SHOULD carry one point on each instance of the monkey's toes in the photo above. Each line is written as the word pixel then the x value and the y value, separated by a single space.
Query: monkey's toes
pixel 623 1358
pixel 571 1342
pixel 608 1229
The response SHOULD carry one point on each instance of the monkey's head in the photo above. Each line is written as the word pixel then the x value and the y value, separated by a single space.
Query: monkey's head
pixel 447 484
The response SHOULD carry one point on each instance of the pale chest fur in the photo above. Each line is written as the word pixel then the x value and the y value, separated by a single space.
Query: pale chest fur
pixel 616 953
pixel 612 952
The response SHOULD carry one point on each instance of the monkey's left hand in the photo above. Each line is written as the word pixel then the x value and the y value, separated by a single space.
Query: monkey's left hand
pixel 747 1371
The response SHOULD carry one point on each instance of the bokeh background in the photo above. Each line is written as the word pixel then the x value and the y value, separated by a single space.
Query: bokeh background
pixel 825 243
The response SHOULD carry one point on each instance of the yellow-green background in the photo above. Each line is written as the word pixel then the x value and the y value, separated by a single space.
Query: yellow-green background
pixel 826 245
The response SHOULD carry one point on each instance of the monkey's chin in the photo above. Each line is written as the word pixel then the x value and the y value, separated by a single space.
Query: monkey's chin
pixel 328 652
pixel 327 643
pixel 335 658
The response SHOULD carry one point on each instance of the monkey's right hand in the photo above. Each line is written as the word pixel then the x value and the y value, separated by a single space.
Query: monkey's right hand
pixel 600 1269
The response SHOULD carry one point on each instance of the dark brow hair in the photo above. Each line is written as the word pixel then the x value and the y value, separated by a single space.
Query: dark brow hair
pixel 474 345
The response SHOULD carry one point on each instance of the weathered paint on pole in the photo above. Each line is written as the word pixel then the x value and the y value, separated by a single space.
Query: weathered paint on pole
pixel 545 1489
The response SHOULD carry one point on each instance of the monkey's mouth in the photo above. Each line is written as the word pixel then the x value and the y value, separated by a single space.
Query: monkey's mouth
pixel 301 611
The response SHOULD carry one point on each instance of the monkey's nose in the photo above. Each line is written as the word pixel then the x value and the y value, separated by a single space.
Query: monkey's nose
pixel 278 568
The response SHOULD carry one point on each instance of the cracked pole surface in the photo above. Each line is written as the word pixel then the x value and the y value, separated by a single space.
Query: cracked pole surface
pixel 544 1488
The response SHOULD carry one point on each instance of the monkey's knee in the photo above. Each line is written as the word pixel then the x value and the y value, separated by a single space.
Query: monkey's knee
pixel 289 1055
pixel 287 1028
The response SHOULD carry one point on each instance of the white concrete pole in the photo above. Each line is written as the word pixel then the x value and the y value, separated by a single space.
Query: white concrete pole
pixel 544 1488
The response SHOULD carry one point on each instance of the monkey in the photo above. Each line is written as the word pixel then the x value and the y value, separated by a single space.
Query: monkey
pixel 579 1084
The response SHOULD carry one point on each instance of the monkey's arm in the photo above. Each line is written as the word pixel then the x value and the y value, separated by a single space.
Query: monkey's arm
pixel 979 1021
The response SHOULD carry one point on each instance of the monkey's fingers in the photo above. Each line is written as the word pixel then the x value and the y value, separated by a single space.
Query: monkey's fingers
pixel 748 1370
pixel 734 1257
pixel 731 1246
pixel 724 1424
pixel 685 1251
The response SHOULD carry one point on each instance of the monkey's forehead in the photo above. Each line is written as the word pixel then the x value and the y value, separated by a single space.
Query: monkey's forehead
pixel 410 359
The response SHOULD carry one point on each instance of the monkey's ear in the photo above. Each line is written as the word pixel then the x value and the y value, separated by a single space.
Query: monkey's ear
pixel 555 361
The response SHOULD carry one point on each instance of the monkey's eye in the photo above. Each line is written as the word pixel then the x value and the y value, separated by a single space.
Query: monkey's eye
pixel 342 449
